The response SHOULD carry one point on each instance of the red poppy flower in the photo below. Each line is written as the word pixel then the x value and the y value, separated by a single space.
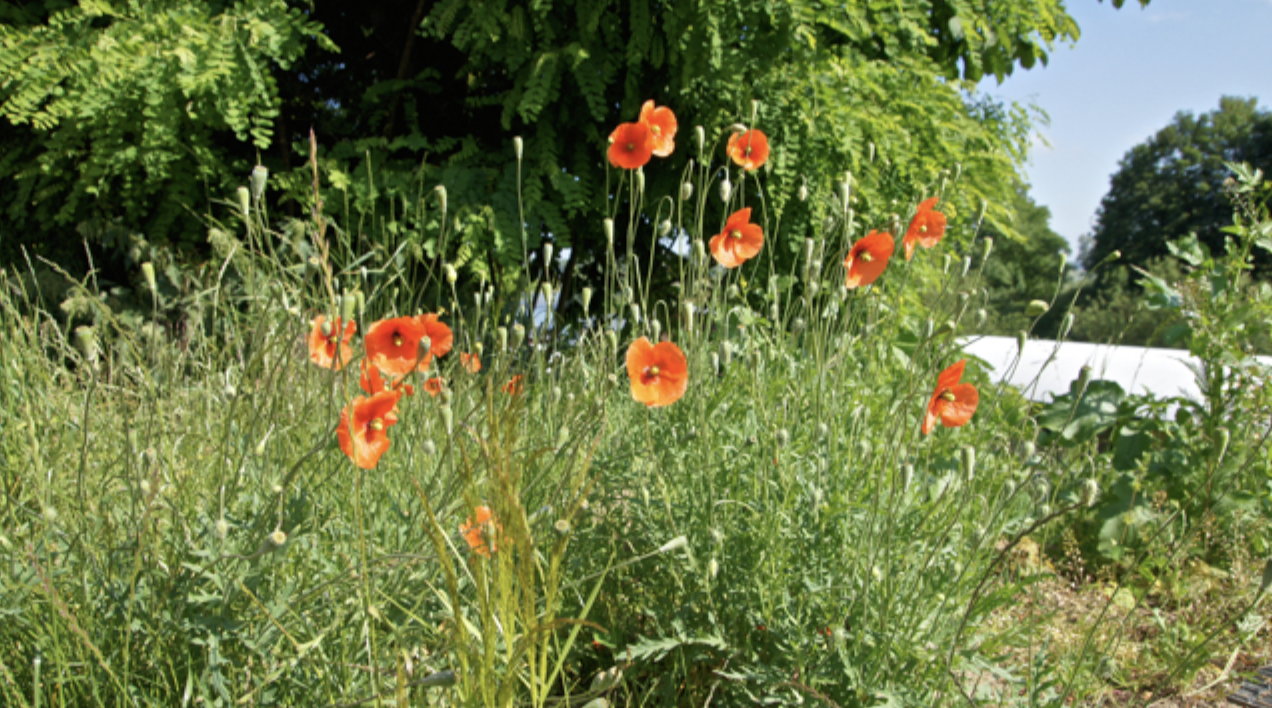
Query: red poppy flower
pixel 365 438
pixel 631 146
pixel 482 533
pixel 322 347
pixel 926 228
pixel 513 387
pixel 433 385
pixel 470 362
pixel 952 403
pixel 372 382
pixel 868 258
pixel 662 127
pixel 659 372
pixel 440 338
pixel 749 149
pixel 739 242
pixel 394 345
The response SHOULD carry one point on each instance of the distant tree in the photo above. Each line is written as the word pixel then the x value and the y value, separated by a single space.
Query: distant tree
pixel 1172 185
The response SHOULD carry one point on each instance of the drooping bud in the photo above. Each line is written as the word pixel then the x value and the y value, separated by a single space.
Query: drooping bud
pixel 260 174
pixel 686 316
pixel 783 437
pixel 967 265
pixel 441 196
pixel 686 191
pixel 1066 324
pixel 1084 379
pixel 587 299
pixel 968 460
pixel 148 272
pixel 981 317
pixel 518 335
pixel 726 188
pixel 1021 338
pixel 726 353
pixel 448 419
pixel 608 226
pixel 656 328
pixel 1090 492
pixel 86 343
pixel 1027 450
pixel 429 448
pixel 664 228
pixel 517 147
pixel 245 201
pixel 674 544
pixel 348 304
pixel 699 253
pixel 987 247
pixel 1036 308
pixel 451 274
pixel 802 194
pixel 634 310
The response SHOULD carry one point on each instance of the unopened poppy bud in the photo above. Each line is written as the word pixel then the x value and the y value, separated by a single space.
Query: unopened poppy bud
pixel 726 188
pixel 813 288
pixel 245 201
pixel 640 179
pixel 686 316
pixel 775 312
pixel 726 353
pixel 429 448
pixel 587 299
pixel 1084 379
pixel 50 514
pixel 547 254
pixel 674 544
pixel 686 191
pixel 612 337
pixel 783 437
pixel 1066 324
pixel 448 419
pixel 929 328
pixel 664 228
pixel 556 394
pixel 845 191
pixel 907 476
pixel 987 247
pixel 981 317
pixel 715 363
pixel 277 539
pixel 148 272
pixel 814 269
pixel 1090 492
pixel 713 568
pixel 547 295
pixel 1044 510
pixel 823 431
pixel 828 224
pixel 1009 488
pixel 517 146
pixel 802 193
pixel 451 274
pixel 260 174
pixel 1064 260
pixel 441 196
pixel 810 247
pixel 1111 257
pixel 563 435
pixel 732 292
pixel 984 206
pixel 608 226
pixel 1036 308
pixel 798 325
pixel 222 528
pixel 1222 438
pixel 737 128
pixel 968 459
pixel 946 262
pixel 946 327
pixel 656 327
pixel 348 303
pixel 967 265
pixel 699 253
pixel 634 309
pixel 870 152
pixel 86 342
pixel 426 345
pixel 501 335
pixel 700 135
pixel 1027 450
pixel 518 335
pixel 1021 337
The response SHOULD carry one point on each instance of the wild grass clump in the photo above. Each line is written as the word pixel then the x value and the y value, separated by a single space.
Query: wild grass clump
pixel 820 501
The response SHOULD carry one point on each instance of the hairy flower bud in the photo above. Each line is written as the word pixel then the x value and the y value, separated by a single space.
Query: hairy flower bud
pixel 1036 308
pixel 518 335
pixel 441 196
pixel 518 147
pixel 148 272
pixel 1090 492
pixel 987 247
pixel 260 174
pixel 245 201
pixel 686 191
pixel 968 460
pixel 587 299
pixel 608 226
pixel 726 188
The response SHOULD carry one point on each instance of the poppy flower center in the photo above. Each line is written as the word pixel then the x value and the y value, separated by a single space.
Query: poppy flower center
pixel 747 152
pixel 653 370
pixel 655 129
pixel 376 424
pixel 631 147
pixel 735 233
pixel 947 396
pixel 397 340
pixel 866 257
pixel 923 229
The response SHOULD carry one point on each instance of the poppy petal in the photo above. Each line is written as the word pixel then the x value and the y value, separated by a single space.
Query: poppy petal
pixel 959 411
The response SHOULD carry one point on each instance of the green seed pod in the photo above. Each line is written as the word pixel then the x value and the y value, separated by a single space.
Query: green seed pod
pixel 1090 492
pixel 518 335
pixel 348 304
pixel 1036 308
pixel 260 174
pixel 968 460
pixel 245 201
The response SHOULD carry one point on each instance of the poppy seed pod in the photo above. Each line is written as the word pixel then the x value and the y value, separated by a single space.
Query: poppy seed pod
pixel 587 299
pixel 726 188
pixel 448 419
pixel 1090 492
pixel 968 460
pixel 245 201
pixel 260 174
pixel 686 191
pixel 501 335
pixel 608 226
pixel 1036 308
pixel 518 335
pixel 1066 324
pixel 518 147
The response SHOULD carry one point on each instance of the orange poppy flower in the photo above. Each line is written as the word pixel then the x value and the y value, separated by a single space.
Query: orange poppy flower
pixel 482 533
pixel 750 149
pixel 433 385
pixel 470 362
pixel 322 347
pixel 631 146
pixel 372 418
pixel 440 338
pixel 662 127
pixel 952 403
pixel 926 228
pixel 394 345
pixel 739 242
pixel 659 372
pixel 513 387
pixel 373 383
pixel 868 258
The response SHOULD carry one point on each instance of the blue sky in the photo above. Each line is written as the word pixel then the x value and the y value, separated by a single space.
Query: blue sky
pixel 1130 72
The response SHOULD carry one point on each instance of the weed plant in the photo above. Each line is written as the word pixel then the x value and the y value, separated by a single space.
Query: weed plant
pixel 180 526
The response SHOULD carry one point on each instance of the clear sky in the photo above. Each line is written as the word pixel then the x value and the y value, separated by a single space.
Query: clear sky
pixel 1130 72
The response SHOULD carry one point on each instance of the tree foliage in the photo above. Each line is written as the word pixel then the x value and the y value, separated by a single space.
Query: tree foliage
pixel 1172 184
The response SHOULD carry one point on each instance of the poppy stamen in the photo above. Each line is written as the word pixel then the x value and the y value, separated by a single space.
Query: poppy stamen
pixel 653 371
pixel 923 229
pixel 397 340
pixel 866 257
pixel 631 147
pixel 947 396
pixel 376 424
pixel 735 233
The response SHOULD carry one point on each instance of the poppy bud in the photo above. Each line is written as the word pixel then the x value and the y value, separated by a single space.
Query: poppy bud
pixel 518 335
pixel 547 295
pixel 726 188
pixel 1009 488
pixel 967 265
pixel 823 431
pixel 1084 378
pixel 245 201
pixel 429 448
pixel 634 309
pixel 701 136
pixel 1036 308
pixel 1221 443
pixel 50 514
pixel 726 353
pixel 809 247
pixel 86 343
pixel 946 327
pixel 870 151
pixel 813 288
pixel 713 568
pixel 587 299
pixel 517 147
pixel 814 269
pixel 686 191
pixel 347 304
pixel 798 325
pixel 1064 260
pixel 1111 257
pixel 640 179
pixel 929 328
pixel 1044 510
pixel 426 345
pixel 946 262
pixel 828 224
pixel 968 460
pixel 1027 450
pixel 732 292
pixel 563 435
pixel 222 528
pixel 1021 337
pixel 448 419
pixel 845 191
pixel 501 335
pixel 775 313
pixel 699 253
pixel 981 317
pixel 802 193
pixel 907 477
pixel 608 226
pixel 686 316
pixel 981 217
pixel 656 327
pixel 987 247
pixel 1066 324
pixel 664 228
pixel 148 272
pixel 674 544
pixel 715 363
pixel 612 337
pixel 783 437
pixel 1090 492
pixel 547 255
pixel 260 173
pixel 843 292
pixel 451 274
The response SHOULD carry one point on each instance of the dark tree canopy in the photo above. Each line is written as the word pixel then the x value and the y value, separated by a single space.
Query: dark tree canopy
pixel 1172 184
